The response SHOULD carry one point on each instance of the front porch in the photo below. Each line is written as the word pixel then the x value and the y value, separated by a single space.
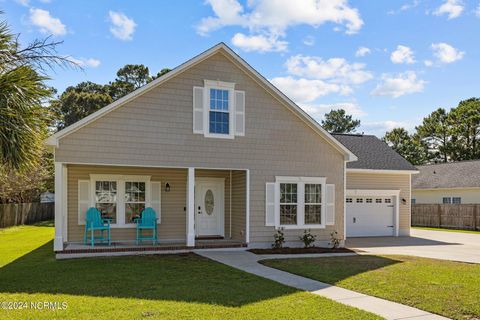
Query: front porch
pixel 196 208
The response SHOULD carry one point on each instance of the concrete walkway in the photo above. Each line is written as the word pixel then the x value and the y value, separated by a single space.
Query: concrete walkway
pixel 248 262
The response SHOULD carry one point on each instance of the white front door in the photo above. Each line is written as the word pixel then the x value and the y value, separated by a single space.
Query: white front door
pixel 370 216
pixel 209 207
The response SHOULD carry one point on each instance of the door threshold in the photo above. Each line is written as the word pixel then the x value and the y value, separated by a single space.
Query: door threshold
pixel 209 238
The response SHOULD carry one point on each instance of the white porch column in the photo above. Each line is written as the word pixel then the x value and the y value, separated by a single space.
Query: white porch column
pixel 60 206
pixel 191 207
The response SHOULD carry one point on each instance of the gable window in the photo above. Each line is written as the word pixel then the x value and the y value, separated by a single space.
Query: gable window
pixel 106 199
pixel 368 200
pixel 447 200
pixel 348 200
pixel 359 200
pixel 219 112
pixel 288 203
pixel 414 201
pixel 378 200
pixel 456 200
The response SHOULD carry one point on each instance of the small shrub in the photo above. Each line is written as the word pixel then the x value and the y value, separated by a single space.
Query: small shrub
pixel 334 240
pixel 308 239
pixel 278 239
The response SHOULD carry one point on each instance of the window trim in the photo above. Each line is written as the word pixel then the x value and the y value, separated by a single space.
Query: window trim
pixel 300 181
pixel 120 179
pixel 220 85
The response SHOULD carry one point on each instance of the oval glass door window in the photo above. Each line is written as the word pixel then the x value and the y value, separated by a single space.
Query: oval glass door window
pixel 209 202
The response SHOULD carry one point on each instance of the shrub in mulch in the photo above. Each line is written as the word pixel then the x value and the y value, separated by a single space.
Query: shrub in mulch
pixel 300 250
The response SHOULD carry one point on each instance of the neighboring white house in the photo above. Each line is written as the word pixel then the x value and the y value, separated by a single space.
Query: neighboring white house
pixel 447 183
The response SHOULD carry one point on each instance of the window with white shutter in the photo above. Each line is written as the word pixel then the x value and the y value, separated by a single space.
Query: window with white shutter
pixel 270 204
pixel 239 113
pixel 155 198
pixel 218 110
pixel 330 204
pixel 198 110
pixel 84 201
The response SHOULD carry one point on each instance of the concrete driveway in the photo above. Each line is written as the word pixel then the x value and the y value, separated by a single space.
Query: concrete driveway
pixel 455 246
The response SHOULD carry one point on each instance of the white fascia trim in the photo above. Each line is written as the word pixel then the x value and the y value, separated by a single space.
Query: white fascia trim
pixel 349 156
pixel 371 192
pixel 382 171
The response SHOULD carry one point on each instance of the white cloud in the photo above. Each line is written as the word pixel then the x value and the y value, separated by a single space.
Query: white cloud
pixel 259 43
pixel 445 53
pixel 317 111
pixel 428 63
pixel 362 52
pixel 122 27
pixel 477 11
pixel 336 70
pixel 273 18
pixel 309 41
pixel 452 8
pixel 83 62
pixel 306 90
pixel 47 24
pixel 405 7
pixel 399 85
pixel 25 3
pixel 402 54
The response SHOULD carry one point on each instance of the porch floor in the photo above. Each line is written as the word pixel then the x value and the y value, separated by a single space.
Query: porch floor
pixel 119 246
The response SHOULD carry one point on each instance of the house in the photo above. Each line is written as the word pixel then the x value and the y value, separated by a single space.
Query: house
pixel 447 183
pixel 377 188
pixel 222 156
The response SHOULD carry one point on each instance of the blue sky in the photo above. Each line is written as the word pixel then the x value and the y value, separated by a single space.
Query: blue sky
pixel 389 63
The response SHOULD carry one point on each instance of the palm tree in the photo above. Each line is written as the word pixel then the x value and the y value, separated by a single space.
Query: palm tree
pixel 24 119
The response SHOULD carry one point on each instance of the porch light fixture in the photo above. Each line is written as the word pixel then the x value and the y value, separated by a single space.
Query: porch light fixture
pixel 167 187
pixel 404 201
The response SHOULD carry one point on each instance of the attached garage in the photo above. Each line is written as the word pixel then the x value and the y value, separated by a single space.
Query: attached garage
pixel 370 216
pixel 377 201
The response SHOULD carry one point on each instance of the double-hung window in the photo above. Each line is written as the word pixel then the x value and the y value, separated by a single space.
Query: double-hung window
pixel 313 203
pixel 288 203
pixel 106 199
pixel 300 202
pixel 122 198
pixel 219 112
pixel 135 200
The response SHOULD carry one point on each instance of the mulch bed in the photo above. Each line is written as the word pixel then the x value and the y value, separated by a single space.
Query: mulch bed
pixel 300 250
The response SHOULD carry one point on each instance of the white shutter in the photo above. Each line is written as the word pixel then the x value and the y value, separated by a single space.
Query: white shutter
pixel 83 200
pixel 270 204
pixel 198 110
pixel 239 113
pixel 330 204
pixel 155 198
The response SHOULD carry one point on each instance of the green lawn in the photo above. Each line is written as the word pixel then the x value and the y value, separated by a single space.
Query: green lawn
pixel 144 287
pixel 449 288
pixel 447 230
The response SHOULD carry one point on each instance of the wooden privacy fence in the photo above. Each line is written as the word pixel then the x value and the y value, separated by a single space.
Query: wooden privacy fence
pixel 455 216
pixel 13 214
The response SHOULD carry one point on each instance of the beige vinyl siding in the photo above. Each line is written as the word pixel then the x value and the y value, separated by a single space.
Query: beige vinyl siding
pixel 468 195
pixel 173 217
pixel 155 129
pixel 379 181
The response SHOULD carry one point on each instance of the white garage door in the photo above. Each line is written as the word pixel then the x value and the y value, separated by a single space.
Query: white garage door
pixel 370 216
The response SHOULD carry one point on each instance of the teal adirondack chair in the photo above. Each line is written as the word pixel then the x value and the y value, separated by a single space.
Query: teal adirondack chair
pixel 94 222
pixel 147 221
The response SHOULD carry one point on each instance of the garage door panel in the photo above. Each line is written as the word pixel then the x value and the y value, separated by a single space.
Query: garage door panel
pixel 370 216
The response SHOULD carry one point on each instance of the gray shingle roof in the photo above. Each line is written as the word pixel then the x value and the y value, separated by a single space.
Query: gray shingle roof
pixel 372 153
pixel 463 174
